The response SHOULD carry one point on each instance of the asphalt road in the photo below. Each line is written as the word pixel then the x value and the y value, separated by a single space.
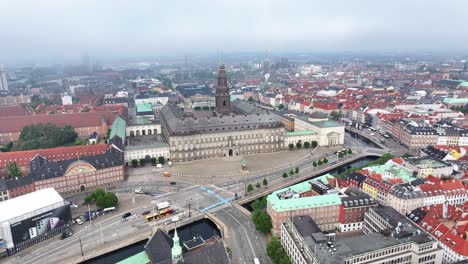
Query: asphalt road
pixel 246 243
pixel 113 229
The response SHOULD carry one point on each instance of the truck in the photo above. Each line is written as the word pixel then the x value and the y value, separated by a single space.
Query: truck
pixel 166 174
pixel 163 205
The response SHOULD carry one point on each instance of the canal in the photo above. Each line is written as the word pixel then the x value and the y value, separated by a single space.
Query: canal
pixel 204 228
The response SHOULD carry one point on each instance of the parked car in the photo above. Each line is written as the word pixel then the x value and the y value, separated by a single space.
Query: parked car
pixel 139 191
pixel 173 183
pixel 145 213
pixel 79 221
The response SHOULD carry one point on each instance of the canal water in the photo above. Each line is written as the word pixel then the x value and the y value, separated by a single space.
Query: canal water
pixel 204 228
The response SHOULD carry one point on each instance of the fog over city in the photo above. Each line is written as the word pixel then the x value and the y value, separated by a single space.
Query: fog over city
pixel 65 30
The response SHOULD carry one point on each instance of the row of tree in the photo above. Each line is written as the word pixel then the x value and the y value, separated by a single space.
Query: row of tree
pixel 102 198
pixel 380 161
pixel 250 187
pixel 291 173
pixel 43 136
pixel 320 162
pixel 307 144
pixel 153 161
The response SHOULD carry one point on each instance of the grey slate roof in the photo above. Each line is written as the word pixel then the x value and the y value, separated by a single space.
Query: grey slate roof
pixel 41 168
pixel 19 182
pixel 179 123
pixel 159 247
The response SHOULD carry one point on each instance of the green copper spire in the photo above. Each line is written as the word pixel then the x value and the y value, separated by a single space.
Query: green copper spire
pixel 176 249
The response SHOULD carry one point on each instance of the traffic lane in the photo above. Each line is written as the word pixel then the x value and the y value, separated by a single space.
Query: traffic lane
pixel 114 230
pixel 258 241
pixel 242 248
pixel 84 234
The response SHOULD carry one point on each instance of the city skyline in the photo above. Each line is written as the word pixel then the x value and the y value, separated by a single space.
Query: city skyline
pixel 64 31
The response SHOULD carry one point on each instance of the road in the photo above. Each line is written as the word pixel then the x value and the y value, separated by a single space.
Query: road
pixel 245 241
pixel 190 201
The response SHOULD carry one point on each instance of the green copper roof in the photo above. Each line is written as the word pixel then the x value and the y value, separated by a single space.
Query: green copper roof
pixel 394 169
pixel 329 123
pixel 140 258
pixel 144 107
pixel 302 202
pixel 176 248
pixel 456 100
pixel 118 128
pixel 300 133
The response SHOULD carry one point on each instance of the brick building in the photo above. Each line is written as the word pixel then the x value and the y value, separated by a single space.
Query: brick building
pixel 79 174
pixel 302 199
pixel 83 123
pixel 23 158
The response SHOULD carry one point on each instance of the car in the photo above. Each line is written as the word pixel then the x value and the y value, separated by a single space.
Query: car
pixel 138 191
pixel 147 193
pixel 126 215
pixel 159 166
pixel 145 213
pixel 79 221
pixel 154 194
pixel 172 183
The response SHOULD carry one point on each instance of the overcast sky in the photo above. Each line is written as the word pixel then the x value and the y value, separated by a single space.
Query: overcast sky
pixel 65 29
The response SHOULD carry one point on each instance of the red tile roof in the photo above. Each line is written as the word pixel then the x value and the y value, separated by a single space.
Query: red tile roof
pixel 16 110
pixel 22 158
pixel 91 119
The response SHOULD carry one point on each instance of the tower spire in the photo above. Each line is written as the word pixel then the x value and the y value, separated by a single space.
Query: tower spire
pixel 223 100
pixel 176 249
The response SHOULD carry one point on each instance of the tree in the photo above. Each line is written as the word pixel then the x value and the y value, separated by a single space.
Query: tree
pixel 276 252
pixel 98 193
pixel 298 145
pixel 88 199
pixel 336 115
pixel 206 108
pixel 7 147
pixel 306 145
pixel 250 188
pixel 13 170
pixel 134 163
pixel 281 106
pixel 314 164
pixel 350 151
pixel 407 155
pixel 142 162
pixel 291 146
pixel 265 182
pixel 285 175
pixel 197 108
pixel 262 221
pixel 154 161
pixel 250 99
pixel 325 160
pixel 107 200
pixel 296 170
pixel 340 155
pixel 291 172
pixel 314 144
pixel 319 162
pixel 344 153
pixel 45 136
pixel 258 185
pixel 161 160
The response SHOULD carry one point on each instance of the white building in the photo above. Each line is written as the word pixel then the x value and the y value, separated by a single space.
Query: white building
pixel 329 133
pixel 31 218
pixel 3 81
pixel 147 151
pixel 67 99
pixel 299 137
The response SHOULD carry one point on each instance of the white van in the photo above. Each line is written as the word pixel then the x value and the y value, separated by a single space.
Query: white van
pixel 159 166
pixel 176 218
pixel 169 163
